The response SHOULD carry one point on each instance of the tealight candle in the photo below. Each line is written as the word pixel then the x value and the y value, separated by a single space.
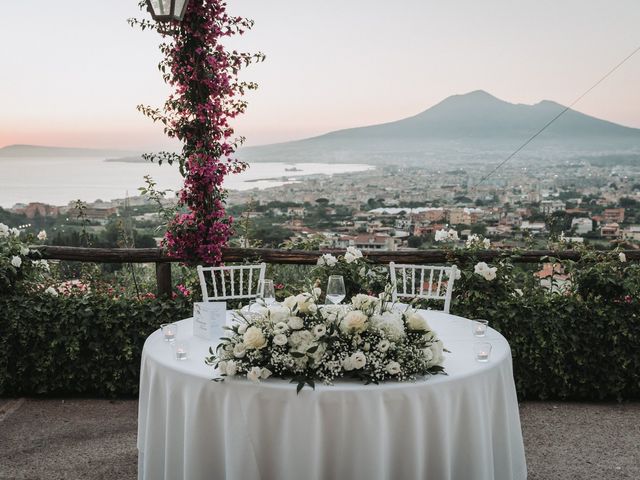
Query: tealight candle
pixel 181 351
pixel 169 331
pixel 482 351
pixel 479 327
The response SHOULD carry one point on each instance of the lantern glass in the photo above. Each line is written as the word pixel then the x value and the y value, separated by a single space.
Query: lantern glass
pixel 167 10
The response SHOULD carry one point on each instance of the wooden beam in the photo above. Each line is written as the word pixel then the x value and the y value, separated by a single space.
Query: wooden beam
pixel 304 257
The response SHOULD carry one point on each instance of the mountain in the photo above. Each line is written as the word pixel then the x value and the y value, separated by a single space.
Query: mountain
pixel 38 151
pixel 475 125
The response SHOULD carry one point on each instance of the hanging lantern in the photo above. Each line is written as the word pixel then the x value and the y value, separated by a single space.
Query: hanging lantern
pixel 167 10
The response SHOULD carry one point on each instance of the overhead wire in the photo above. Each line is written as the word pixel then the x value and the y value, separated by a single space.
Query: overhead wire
pixel 548 124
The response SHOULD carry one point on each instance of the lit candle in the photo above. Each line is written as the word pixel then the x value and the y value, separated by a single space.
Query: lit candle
pixel 169 331
pixel 482 351
pixel 479 328
pixel 181 353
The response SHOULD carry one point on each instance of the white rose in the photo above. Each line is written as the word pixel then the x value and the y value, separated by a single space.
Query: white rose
pixel 457 274
pixel 295 323
pixel 383 346
pixel 437 350
pixel 480 267
pixel 416 322
pixel 313 308
pixel 304 302
pixel 317 291
pixel 232 368
pixel 51 291
pixel 254 374
pixel 280 339
pixel 265 373
pixel 15 232
pixel 278 313
pixel 490 273
pixel 486 243
pixel 281 327
pixel 242 328
pixel 222 367
pixel 42 235
pixel 16 261
pixel 393 368
pixel 290 302
pixel 349 257
pixel 24 251
pixel 254 338
pixel 358 360
pixel 355 252
pixel 328 260
pixel 42 264
pixel 428 354
pixel 622 257
pixel 319 330
pixel 239 350
pixel 347 364
pixel 354 321
pixel 4 230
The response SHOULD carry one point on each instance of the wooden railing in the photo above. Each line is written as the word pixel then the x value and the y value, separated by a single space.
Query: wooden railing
pixel 299 257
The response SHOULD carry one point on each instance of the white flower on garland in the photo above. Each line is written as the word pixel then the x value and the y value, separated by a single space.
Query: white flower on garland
pixel 232 368
pixel 51 291
pixel 393 368
pixel 475 239
pixel 328 260
pixel 278 313
pixel 254 374
pixel 24 251
pixel 444 235
pixel 486 272
pixel 281 327
pixel 364 302
pixel 280 339
pixel 15 232
pixel 4 230
pixel 354 322
pixel 352 255
pixel 42 235
pixel 295 323
pixel 416 322
pixel 16 261
pixel 622 257
pixel 390 323
pixel 253 338
pixel 239 350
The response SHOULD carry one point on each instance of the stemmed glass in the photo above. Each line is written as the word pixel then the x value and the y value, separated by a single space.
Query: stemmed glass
pixel 335 289
pixel 268 292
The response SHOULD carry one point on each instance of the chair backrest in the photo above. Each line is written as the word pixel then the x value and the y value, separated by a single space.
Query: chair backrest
pixel 422 281
pixel 231 283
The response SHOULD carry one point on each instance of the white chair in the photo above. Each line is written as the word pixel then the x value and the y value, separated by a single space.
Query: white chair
pixel 232 283
pixel 422 281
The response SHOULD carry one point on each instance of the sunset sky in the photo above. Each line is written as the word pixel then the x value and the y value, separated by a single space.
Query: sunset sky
pixel 73 71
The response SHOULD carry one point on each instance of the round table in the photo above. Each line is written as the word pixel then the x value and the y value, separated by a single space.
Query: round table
pixel 464 425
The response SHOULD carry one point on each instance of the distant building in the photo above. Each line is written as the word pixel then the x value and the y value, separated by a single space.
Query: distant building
pixel 582 226
pixel 610 230
pixel 37 209
pixel 632 233
pixel 613 215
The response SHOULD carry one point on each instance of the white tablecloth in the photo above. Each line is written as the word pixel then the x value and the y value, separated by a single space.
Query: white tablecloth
pixel 462 426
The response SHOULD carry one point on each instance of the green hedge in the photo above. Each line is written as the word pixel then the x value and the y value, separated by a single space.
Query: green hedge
pixel 564 347
pixel 78 345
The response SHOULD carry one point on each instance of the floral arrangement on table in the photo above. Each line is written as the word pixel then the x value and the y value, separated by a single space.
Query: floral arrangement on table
pixel 368 339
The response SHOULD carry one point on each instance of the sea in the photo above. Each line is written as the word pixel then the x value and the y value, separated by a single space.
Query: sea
pixel 58 181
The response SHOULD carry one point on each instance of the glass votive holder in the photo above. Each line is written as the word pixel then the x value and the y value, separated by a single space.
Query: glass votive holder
pixel 169 331
pixel 181 350
pixel 482 351
pixel 479 327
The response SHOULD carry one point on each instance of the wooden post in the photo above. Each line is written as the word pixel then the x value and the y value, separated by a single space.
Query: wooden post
pixel 163 278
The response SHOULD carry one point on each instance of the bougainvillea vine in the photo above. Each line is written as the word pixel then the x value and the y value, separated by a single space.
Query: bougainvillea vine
pixel 207 96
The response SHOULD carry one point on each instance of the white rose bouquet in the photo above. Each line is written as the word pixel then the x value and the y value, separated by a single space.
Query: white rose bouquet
pixel 301 340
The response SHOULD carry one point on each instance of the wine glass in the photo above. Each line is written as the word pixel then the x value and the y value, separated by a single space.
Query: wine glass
pixel 268 292
pixel 335 289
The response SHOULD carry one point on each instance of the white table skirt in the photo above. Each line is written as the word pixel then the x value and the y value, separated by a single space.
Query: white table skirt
pixel 462 426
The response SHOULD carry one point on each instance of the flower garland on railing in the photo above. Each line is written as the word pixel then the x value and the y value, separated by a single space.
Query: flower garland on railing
pixel 207 97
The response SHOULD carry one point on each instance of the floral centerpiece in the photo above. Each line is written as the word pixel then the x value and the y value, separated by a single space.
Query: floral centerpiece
pixel 369 340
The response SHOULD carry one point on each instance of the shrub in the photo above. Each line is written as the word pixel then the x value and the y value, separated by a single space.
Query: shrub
pixel 79 344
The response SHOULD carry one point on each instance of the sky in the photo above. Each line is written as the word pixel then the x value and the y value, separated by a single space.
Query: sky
pixel 73 71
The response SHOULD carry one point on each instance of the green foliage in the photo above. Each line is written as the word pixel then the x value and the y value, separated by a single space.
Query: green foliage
pixel 77 345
